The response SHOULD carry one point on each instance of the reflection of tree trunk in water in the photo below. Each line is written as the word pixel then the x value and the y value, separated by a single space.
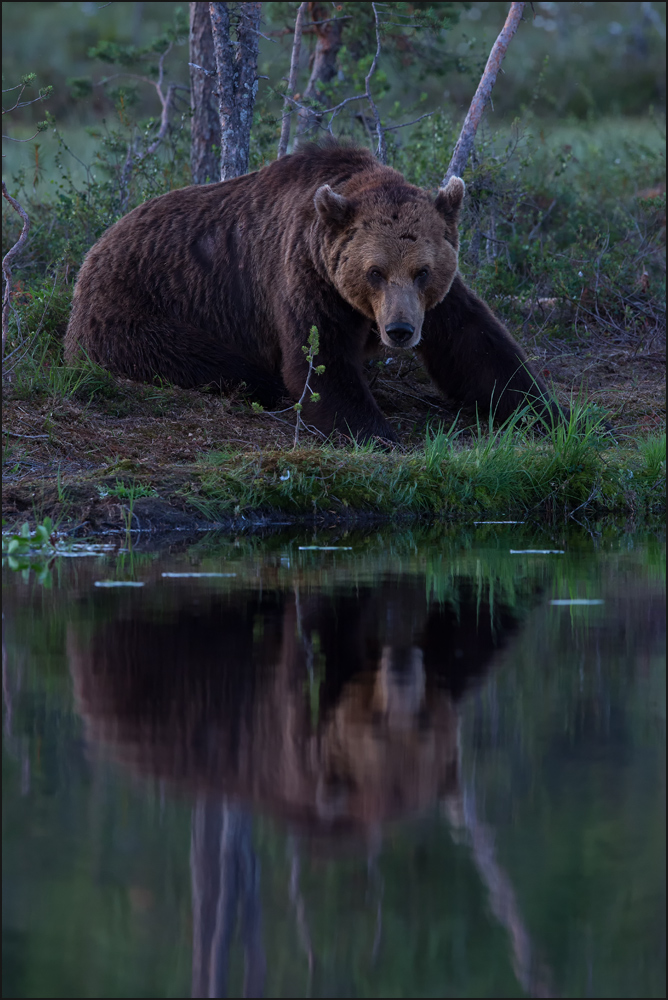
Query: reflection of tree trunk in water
pixel 225 879
pixel 16 746
pixel 376 879
pixel 531 974
pixel 297 901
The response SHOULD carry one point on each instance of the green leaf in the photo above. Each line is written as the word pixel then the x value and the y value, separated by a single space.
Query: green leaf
pixel 41 536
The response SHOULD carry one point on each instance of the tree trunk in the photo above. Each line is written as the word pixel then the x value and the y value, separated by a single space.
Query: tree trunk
pixel 292 80
pixel 324 64
pixel 482 94
pixel 205 124
pixel 236 64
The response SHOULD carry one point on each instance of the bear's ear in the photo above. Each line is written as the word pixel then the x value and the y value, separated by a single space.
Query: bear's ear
pixel 449 199
pixel 332 207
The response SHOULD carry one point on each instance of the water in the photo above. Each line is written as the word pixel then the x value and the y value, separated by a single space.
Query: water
pixel 386 765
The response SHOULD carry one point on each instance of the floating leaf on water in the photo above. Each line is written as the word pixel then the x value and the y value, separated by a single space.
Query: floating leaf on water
pixel 179 576
pixel 537 552
pixel 326 548
pixel 77 555
pixel 117 583
pixel 576 600
pixel 91 547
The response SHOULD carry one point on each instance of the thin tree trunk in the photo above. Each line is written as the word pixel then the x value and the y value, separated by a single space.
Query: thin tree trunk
pixel 324 64
pixel 292 80
pixel 482 94
pixel 205 123
pixel 236 64
pixel 7 262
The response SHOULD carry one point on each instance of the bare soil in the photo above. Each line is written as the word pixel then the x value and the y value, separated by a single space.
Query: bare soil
pixel 61 455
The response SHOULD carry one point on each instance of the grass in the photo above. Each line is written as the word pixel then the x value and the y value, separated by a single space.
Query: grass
pixel 506 470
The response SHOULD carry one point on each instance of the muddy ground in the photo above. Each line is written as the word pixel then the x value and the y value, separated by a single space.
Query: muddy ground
pixel 62 454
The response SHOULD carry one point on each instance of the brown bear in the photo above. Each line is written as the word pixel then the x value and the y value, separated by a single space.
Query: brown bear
pixel 220 284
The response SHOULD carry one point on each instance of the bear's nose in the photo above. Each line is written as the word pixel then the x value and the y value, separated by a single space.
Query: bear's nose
pixel 399 332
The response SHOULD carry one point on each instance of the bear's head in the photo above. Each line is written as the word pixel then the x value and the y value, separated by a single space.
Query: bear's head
pixel 391 251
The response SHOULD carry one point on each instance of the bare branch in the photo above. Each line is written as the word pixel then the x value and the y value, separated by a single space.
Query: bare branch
pixel 8 259
pixel 292 79
pixel 328 20
pixel 482 94
pixel 23 104
pixel 32 437
pixel 166 100
pixel 391 128
pixel 381 150
pixel 207 72
pixel 29 139
pixel 328 111
pixel 262 35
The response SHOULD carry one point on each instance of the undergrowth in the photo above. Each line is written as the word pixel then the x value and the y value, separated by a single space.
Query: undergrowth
pixel 509 470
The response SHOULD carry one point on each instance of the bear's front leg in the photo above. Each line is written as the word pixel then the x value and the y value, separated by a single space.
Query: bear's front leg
pixel 475 362
pixel 344 400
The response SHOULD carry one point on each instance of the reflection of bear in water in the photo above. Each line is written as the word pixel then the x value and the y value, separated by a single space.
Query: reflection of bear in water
pixel 333 708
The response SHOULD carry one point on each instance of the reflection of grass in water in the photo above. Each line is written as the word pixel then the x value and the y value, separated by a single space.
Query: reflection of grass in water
pixel 442 559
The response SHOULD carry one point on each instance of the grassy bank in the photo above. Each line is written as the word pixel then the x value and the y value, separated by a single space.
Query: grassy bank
pixel 103 472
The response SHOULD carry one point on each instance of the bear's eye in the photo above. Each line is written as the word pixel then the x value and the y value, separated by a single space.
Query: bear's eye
pixel 422 274
pixel 375 274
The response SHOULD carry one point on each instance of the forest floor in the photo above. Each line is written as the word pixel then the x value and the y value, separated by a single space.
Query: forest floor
pixel 96 460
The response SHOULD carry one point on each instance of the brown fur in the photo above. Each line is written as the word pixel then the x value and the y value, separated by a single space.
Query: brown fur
pixel 220 284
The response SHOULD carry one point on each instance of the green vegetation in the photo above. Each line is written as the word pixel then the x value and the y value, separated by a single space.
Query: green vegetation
pixel 563 233
pixel 506 470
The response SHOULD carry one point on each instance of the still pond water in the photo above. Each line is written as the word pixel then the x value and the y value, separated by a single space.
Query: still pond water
pixel 370 764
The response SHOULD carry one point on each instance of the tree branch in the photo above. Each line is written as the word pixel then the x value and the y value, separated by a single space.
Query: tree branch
pixel 391 128
pixel 8 259
pixel 131 159
pixel 482 94
pixel 381 150
pixel 292 80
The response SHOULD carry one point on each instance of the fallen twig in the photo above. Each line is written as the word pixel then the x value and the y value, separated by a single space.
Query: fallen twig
pixel 31 437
